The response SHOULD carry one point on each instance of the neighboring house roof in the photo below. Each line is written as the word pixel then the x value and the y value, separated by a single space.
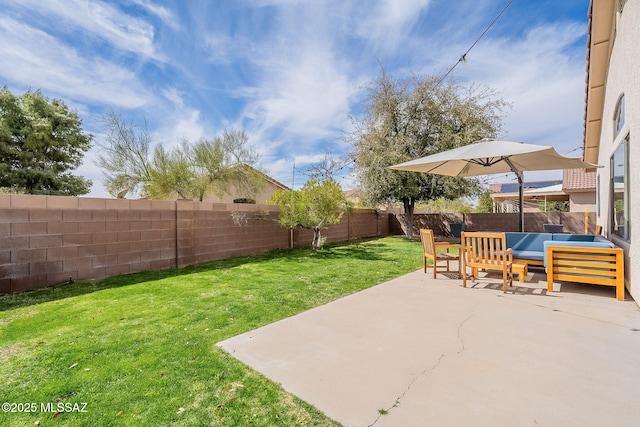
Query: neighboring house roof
pixel 274 182
pixel 261 196
pixel 578 180
pixel 552 189
pixel 533 192
pixel 513 187
pixel 601 32
pixel 353 195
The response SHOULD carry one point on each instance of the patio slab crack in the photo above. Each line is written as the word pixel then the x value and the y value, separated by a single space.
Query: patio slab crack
pixel 382 412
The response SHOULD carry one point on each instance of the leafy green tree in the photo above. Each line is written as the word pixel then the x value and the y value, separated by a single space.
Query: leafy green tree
pixel 316 205
pixel 189 171
pixel 485 203
pixel 562 206
pixel 411 118
pixel 446 205
pixel 41 142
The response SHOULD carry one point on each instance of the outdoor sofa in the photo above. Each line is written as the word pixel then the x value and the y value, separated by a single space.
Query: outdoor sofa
pixel 531 247
pixel 580 258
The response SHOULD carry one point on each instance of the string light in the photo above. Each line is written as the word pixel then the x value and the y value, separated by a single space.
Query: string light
pixel 463 57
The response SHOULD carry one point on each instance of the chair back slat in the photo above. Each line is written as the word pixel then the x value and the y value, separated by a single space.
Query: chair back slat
pixel 428 244
pixel 482 250
pixel 429 251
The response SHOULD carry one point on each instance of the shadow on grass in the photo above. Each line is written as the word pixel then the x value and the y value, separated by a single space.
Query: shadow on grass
pixel 366 249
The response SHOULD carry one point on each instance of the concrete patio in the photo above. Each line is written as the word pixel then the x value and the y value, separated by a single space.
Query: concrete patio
pixel 416 351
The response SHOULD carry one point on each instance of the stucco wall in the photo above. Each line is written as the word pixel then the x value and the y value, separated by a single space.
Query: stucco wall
pixel 623 78
pixel 261 197
pixel 578 202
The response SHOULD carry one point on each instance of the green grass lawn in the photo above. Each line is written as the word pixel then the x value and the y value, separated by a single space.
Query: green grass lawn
pixel 140 350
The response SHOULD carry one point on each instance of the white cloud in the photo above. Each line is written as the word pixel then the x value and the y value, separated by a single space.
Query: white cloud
pixel 540 72
pixel 183 124
pixel 220 47
pixel 179 121
pixel 304 97
pixel 88 170
pixel 300 108
pixel 543 77
pixel 33 58
pixel 173 95
pixel 99 19
pixel 309 97
pixel 264 3
pixel 289 72
pixel 388 22
pixel 161 12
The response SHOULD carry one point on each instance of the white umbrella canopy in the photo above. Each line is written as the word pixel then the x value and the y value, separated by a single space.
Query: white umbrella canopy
pixel 488 157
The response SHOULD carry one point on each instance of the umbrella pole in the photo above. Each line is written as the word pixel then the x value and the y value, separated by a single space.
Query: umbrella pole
pixel 520 191
pixel 521 200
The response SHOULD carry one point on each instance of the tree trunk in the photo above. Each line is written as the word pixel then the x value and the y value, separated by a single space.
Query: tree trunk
pixel 317 239
pixel 409 204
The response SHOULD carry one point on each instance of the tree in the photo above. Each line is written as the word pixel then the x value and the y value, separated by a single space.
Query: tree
pixel 316 205
pixel 447 205
pixel 561 206
pixel 41 142
pixel 485 202
pixel 407 119
pixel 329 167
pixel 188 171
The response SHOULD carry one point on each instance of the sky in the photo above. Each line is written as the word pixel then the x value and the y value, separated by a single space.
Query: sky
pixel 292 73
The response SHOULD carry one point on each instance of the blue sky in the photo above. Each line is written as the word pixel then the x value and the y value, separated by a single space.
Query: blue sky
pixel 291 72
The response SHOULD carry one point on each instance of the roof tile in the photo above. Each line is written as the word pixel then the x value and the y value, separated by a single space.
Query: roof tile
pixel 578 179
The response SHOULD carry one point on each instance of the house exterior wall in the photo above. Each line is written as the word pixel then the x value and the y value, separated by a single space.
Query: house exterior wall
pixel 579 202
pixel 261 198
pixel 623 78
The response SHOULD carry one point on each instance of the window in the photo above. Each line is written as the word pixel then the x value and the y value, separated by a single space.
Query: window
pixel 618 117
pixel 620 190
pixel 598 195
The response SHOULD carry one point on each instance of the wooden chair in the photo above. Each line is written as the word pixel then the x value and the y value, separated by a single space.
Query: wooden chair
pixel 487 251
pixel 429 250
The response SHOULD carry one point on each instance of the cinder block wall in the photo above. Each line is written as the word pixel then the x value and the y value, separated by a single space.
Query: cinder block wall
pixel 46 240
pixel 211 231
pixel 573 222
pixel 356 224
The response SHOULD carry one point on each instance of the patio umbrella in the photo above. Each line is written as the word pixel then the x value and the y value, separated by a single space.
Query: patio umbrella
pixel 486 157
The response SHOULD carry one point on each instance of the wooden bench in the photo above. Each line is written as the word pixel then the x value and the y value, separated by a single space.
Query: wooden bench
pixel 599 266
pixel 486 251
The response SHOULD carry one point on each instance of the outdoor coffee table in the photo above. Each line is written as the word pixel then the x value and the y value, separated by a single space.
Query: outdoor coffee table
pixel 522 269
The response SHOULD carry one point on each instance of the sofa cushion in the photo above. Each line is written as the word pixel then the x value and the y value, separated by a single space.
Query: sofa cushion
pixel 561 237
pixel 529 255
pixel 527 241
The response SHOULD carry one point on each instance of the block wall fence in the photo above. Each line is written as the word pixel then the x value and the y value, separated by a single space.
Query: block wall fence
pixel 573 222
pixel 46 240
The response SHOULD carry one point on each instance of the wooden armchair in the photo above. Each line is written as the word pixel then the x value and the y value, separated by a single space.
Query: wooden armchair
pixel 429 250
pixel 487 251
